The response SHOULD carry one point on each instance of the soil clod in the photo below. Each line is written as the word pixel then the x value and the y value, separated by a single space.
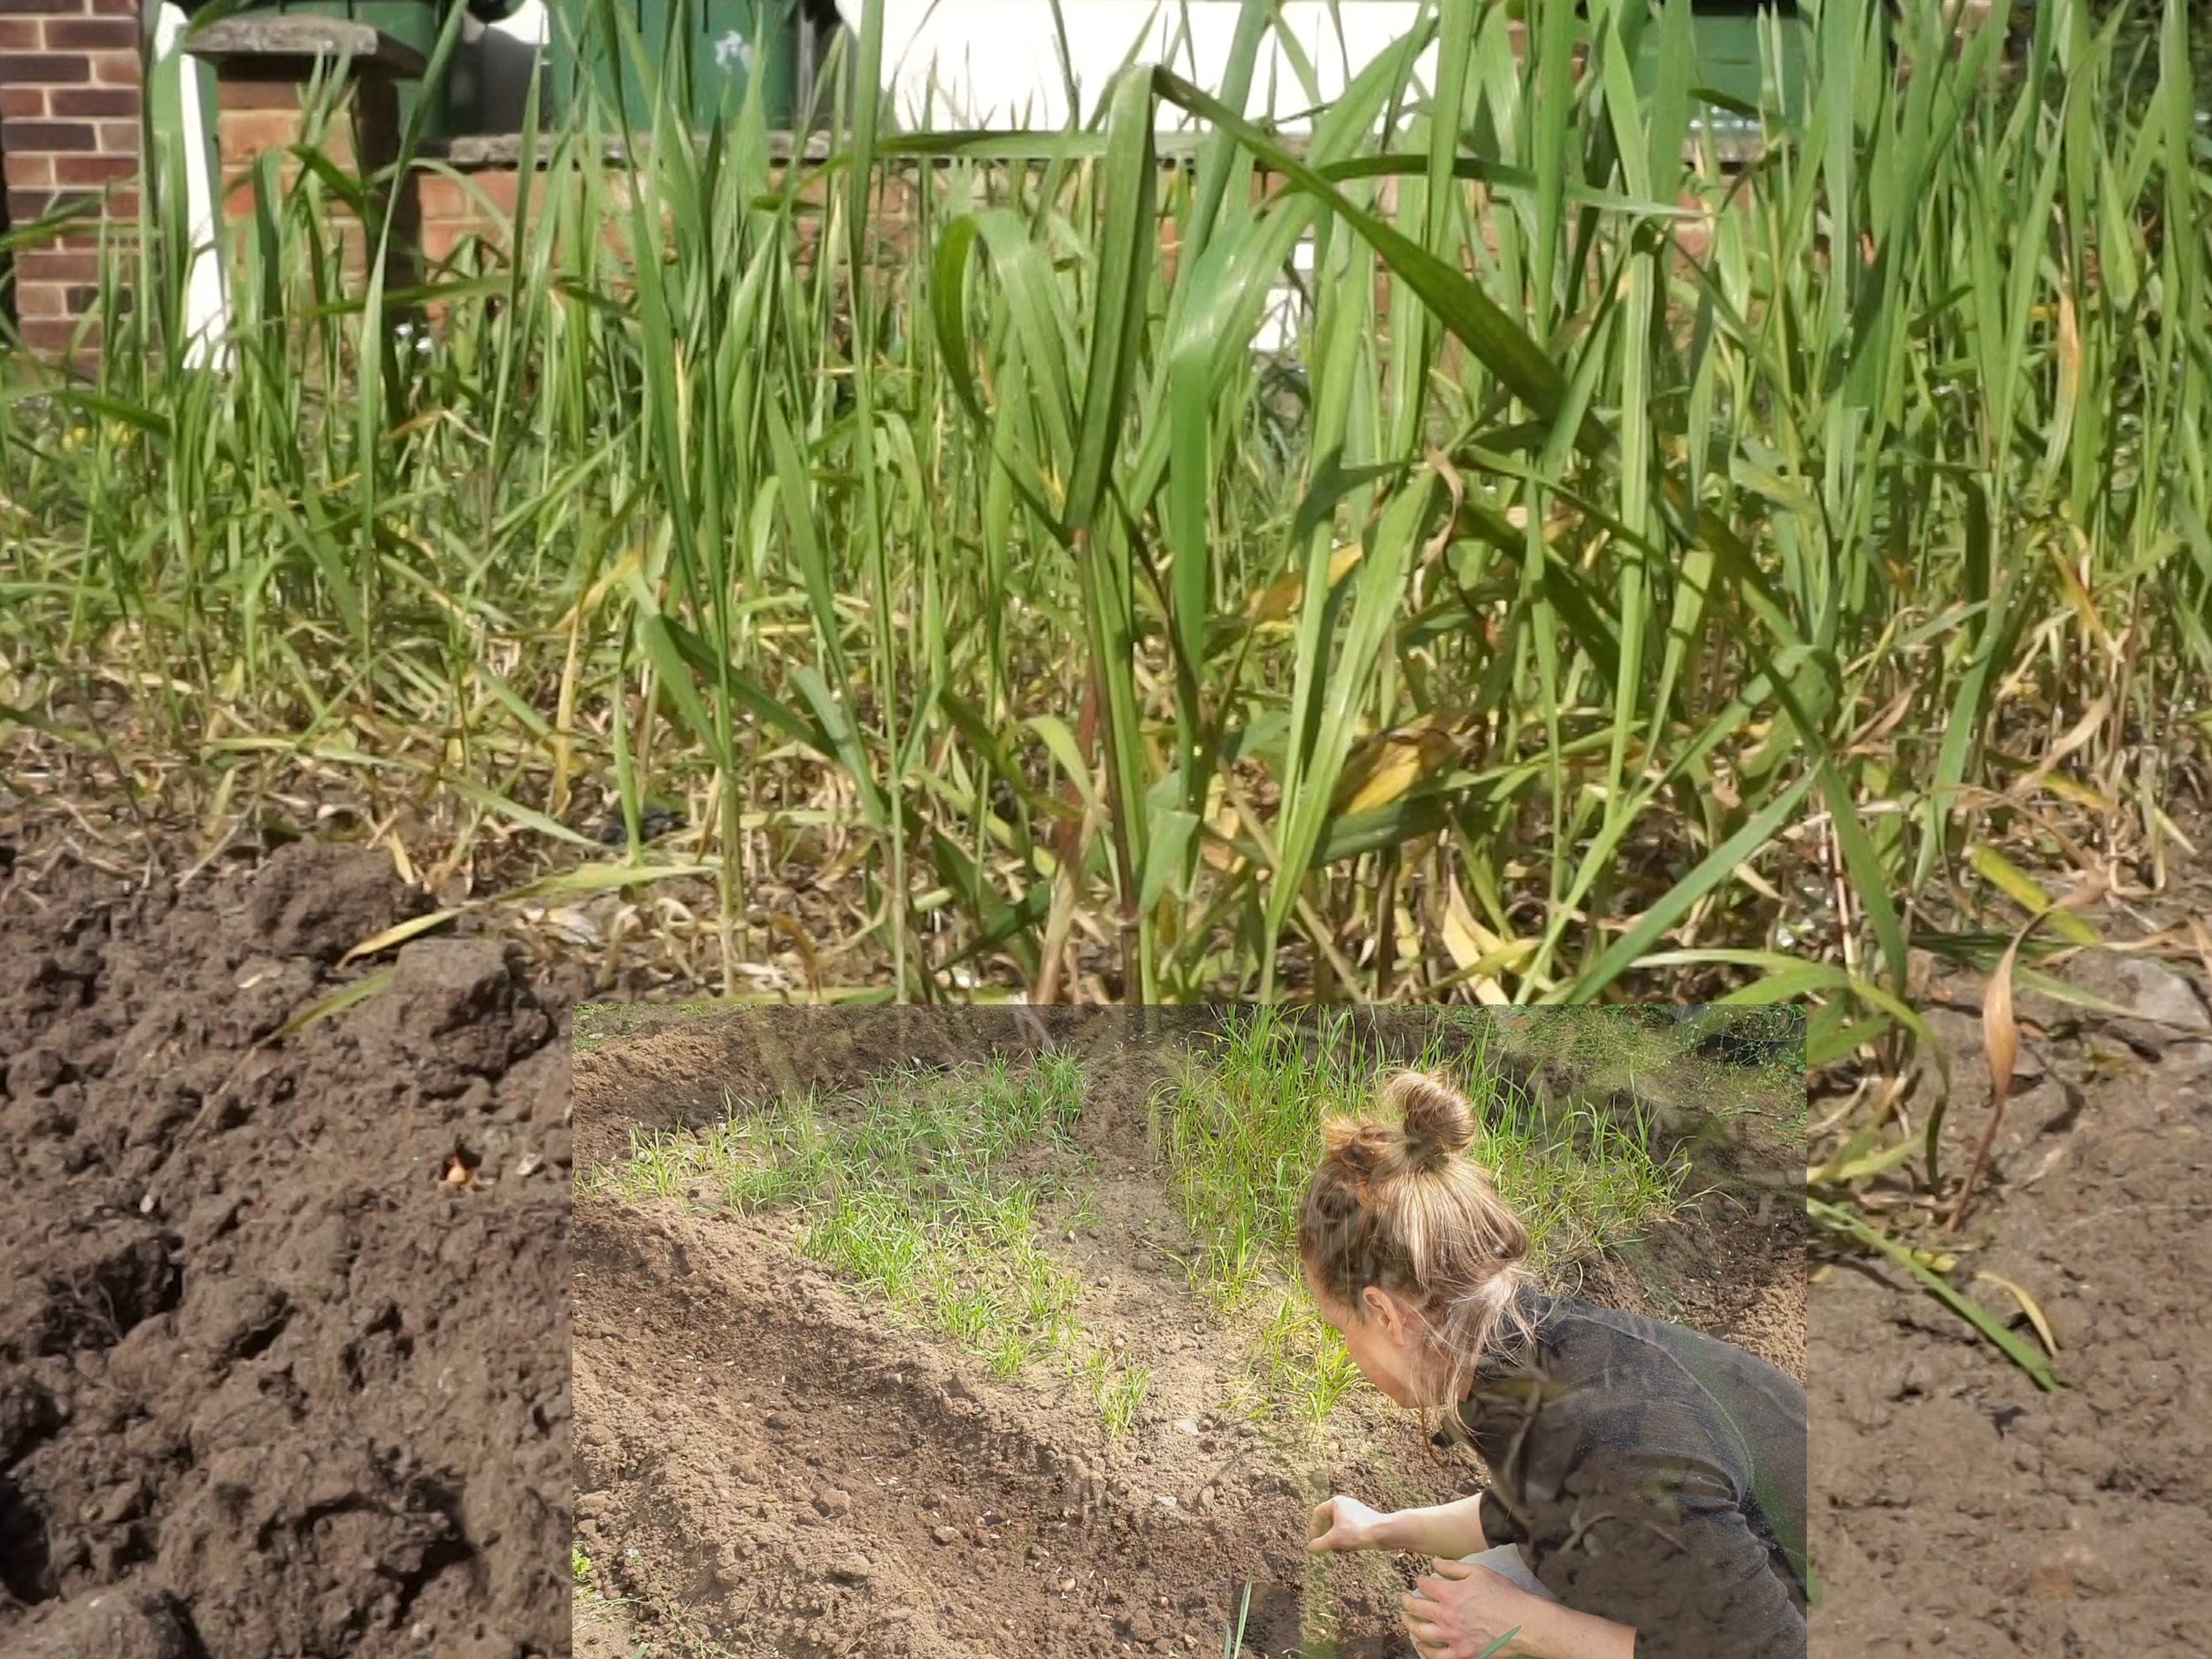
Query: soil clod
pixel 112 1623
pixel 302 1402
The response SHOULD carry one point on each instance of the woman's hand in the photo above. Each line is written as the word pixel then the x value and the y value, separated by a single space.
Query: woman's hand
pixel 1343 1524
pixel 1460 1610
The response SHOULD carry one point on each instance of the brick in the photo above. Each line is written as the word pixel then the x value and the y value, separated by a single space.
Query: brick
pixel 94 170
pixel 233 195
pixel 27 180
pixel 91 34
pixel 440 199
pixel 50 69
pixel 114 68
pixel 61 266
pixel 39 299
pixel 489 238
pixel 241 90
pixel 502 192
pixel 119 138
pixel 20 35
pixel 84 297
pixel 25 206
pixel 92 102
pixel 90 212
pixel 50 8
pixel 243 135
pixel 51 137
pixel 87 240
pixel 25 104
pixel 47 336
pixel 440 239
pixel 480 198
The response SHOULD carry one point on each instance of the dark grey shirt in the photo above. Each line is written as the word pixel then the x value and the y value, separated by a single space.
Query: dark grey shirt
pixel 1654 1477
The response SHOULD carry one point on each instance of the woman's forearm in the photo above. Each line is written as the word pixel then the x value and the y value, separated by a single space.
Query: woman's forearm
pixel 1450 1530
pixel 1549 1630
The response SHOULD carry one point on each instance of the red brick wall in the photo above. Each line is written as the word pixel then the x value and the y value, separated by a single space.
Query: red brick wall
pixel 69 130
pixel 478 206
pixel 266 112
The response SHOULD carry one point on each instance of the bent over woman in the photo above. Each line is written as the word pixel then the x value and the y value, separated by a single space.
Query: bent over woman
pixel 1648 1481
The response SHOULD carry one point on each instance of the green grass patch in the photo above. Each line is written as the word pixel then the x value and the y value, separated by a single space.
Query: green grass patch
pixel 928 1189
pixel 940 1192
pixel 1725 1060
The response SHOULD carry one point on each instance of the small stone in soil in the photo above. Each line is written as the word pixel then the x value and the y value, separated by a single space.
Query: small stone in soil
pixel 851 1569
pixel 777 1420
pixel 946 1534
pixel 832 1502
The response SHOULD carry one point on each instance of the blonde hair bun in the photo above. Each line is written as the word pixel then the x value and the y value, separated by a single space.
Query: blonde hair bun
pixel 1396 1204
pixel 1439 1121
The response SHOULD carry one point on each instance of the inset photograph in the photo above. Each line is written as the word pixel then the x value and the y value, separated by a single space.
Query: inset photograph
pixel 284 1360
pixel 1259 1331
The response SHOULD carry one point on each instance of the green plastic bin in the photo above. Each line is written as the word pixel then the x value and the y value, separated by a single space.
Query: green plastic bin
pixel 1729 55
pixel 415 23
pixel 726 44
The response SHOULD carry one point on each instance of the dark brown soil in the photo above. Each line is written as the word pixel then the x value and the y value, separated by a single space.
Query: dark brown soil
pixel 1958 1508
pixel 270 1385
pixel 765 1466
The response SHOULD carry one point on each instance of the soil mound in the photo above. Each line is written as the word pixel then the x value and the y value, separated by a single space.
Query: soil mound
pixel 794 1479
pixel 767 1463
pixel 1961 1509
pixel 270 1384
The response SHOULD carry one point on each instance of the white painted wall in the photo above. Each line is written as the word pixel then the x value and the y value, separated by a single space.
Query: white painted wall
pixel 205 317
pixel 996 63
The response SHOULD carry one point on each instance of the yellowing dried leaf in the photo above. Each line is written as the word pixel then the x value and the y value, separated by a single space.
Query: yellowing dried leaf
pixel 1279 598
pixel 1387 765
pixel 781 924
pixel 1399 764
pixel 2000 1040
pixel 2000 1032
pixel 2023 890
pixel 1221 828
pixel 414 927
pixel 2027 1306
pixel 1465 939
pixel 2073 789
